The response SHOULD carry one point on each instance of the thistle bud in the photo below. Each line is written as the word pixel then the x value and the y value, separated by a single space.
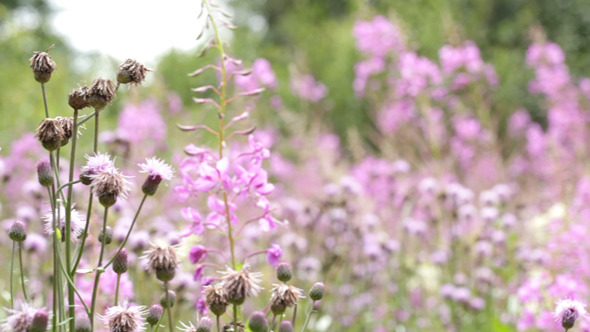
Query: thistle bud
pixel 316 292
pixel 168 299
pixel 109 235
pixel 284 272
pixel 40 321
pixel 50 133
pixel 101 93
pixel 120 262
pixel 154 314
pixel 204 325
pixel 78 98
pixel 83 323
pixel 42 65
pixel 17 231
pixel 132 72
pixel 45 173
pixel 286 326
pixel 257 322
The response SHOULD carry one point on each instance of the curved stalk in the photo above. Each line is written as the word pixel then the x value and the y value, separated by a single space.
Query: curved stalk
pixel 99 270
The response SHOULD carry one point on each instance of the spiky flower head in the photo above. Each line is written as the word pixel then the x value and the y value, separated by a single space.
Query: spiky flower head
pixel 101 93
pixel 120 262
pixel 108 185
pixel 187 327
pixel 132 72
pixel 157 171
pixel 40 321
pixel 285 295
pixel 162 260
pixel 67 124
pixel 284 272
pixel 50 133
pixel 83 323
pixel 109 235
pixel 20 320
pixel 241 284
pixel 154 314
pixel 205 324
pixel 95 164
pixel 42 65
pixel 568 311
pixel 124 318
pixel 216 298
pixel 77 222
pixel 17 231
pixel 78 98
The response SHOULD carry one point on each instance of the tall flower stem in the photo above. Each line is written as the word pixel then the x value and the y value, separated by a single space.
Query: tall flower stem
pixel 45 100
pixel 54 317
pixel 68 227
pixel 217 323
pixel 308 317
pixel 169 308
pixel 117 289
pixel 11 275
pixel 22 271
pixel 99 269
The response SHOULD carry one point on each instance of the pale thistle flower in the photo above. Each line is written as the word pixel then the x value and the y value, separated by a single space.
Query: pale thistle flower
pixel 285 295
pixel 162 260
pixel 77 222
pixel 241 284
pixel 157 171
pixel 216 298
pixel 187 327
pixel 19 320
pixel 568 311
pixel 95 164
pixel 108 185
pixel 124 318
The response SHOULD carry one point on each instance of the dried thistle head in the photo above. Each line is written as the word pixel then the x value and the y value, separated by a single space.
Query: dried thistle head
pixel 229 327
pixel 125 318
pixel 216 298
pixel 241 284
pixel 101 93
pixel 42 65
pixel 67 124
pixel 78 98
pixel 108 185
pixel 132 72
pixel 50 133
pixel 284 295
pixel 163 260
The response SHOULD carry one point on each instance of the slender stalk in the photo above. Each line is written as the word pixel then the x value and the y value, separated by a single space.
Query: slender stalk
pixel 71 283
pixel 307 318
pixel 45 100
pixel 159 322
pixel 99 270
pixel 128 232
pixel 294 316
pixel 86 118
pixel 96 112
pixel 217 321
pixel 68 227
pixel 235 309
pixel 54 297
pixel 117 289
pixel 11 275
pixel 22 271
pixel 272 323
pixel 169 309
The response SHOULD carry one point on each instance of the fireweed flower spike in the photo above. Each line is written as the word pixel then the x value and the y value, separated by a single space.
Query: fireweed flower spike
pixel 132 72
pixel 42 65
pixel 125 318
pixel 568 311
pixel 157 171
pixel 241 284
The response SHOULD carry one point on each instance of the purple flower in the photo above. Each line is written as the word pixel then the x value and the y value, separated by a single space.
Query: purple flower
pixel 568 311
pixel 274 254
pixel 193 215
pixel 197 253
pixel 157 168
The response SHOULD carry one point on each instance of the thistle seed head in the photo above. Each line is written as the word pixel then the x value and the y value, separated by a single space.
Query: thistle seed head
pixel 78 98
pixel 216 298
pixel 42 65
pixel 162 260
pixel 101 93
pixel 50 133
pixel 132 72
pixel 241 284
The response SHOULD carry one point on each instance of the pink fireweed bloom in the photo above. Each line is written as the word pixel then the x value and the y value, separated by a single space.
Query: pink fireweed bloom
pixel 194 216
pixel 217 215
pixel 274 254
pixel 197 253
pixel 568 311
pixel 213 177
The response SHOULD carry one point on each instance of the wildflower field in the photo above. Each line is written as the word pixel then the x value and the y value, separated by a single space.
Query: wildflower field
pixel 357 177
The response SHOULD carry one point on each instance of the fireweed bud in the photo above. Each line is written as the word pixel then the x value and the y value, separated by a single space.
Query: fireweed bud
pixel 284 272
pixel 109 237
pixel 132 72
pixel 316 292
pixel 40 321
pixel 42 65
pixel 78 98
pixel 101 93
pixel 83 323
pixel 168 299
pixel 50 133
pixel 286 326
pixel 257 322
pixel 45 173
pixel 120 262
pixel 204 325
pixel 154 314
pixel 17 231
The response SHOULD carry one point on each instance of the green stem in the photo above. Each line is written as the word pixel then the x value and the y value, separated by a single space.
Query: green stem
pixel 117 289
pixel 22 271
pixel 235 310
pixel 90 116
pixel 11 275
pixel 54 318
pixel 45 100
pixel 99 270
pixel 308 317
pixel 294 316
pixel 59 190
pixel 68 226
pixel 159 322
pixel 218 325
pixel 272 323
pixel 169 309
pixel 71 284
pixel 128 232
pixel 96 112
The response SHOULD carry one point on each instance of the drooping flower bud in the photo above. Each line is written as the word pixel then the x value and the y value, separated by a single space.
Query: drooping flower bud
pixel 168 299
pixel 132 72
pixel 78 98
pixel 42 65
pixel 286 326
pixel 17 231
pixel 316 292
pixel 120 262
pixel 109 235
pixel 258 322
pixel 154 314
pixel 83 323
pixel 40 321
pixel 204 325
pixel 45 173
pixel 284 272
pixel 50 133
pixel 101 93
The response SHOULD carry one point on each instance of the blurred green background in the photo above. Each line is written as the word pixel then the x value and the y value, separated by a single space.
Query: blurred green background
pixel 305 36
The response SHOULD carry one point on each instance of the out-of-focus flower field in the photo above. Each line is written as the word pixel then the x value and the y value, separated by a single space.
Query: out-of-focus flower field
pixel 417 189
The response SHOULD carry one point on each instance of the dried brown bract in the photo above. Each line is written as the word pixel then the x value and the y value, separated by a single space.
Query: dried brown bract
pixel 132 72
pixel 42 65
pixel 101 93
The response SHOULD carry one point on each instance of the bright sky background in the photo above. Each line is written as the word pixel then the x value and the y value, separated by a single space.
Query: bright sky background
pixel 138 29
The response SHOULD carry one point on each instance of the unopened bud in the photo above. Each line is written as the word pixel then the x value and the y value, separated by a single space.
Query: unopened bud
pixel 257 322
pixel 83 323
pixel 167 300
pixel 286 326
pixel 284 272
pixel 154 314
pixel 40 321
pixel 17 231
pixel 317 291
pixel 120 262
pixel 151 184
pixel 45 173
pixel 204 325
pixel 109 238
